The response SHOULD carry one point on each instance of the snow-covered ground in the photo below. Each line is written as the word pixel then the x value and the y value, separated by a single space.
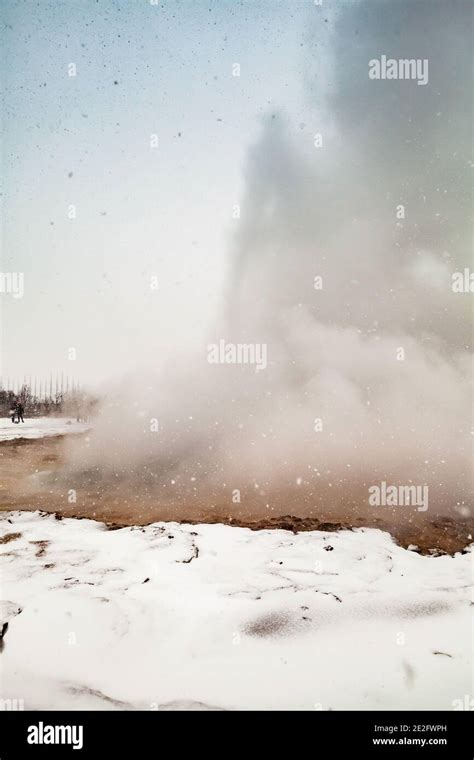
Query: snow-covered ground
pixel 199 617
pixel 39 427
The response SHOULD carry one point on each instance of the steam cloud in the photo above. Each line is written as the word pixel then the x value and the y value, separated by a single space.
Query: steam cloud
pixel 332 352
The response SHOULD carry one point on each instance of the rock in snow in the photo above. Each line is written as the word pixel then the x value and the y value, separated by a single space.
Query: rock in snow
pixel 228 618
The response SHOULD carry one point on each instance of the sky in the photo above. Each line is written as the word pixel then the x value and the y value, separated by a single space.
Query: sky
pixel 145 73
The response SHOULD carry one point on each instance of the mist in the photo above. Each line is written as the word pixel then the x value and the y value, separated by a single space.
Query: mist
pixel 368 371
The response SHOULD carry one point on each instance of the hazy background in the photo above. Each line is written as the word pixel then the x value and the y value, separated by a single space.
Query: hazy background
pixel 304 211
pixel 141 212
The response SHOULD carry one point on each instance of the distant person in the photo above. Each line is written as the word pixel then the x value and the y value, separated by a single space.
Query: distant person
pixel 20 409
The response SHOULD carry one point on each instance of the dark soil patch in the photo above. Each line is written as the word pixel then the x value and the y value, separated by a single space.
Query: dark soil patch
pixel 9 537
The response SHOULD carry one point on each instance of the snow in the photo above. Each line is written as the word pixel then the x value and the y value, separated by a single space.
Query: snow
pixel 39 427
pixel 173 616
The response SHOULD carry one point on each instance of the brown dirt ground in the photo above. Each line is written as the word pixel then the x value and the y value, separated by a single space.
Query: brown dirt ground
pixel 31 478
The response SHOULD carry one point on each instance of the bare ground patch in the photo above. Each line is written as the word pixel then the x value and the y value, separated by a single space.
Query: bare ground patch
pixel 9 537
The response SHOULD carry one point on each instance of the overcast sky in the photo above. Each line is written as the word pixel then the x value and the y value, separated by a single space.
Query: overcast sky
pixel 84 140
